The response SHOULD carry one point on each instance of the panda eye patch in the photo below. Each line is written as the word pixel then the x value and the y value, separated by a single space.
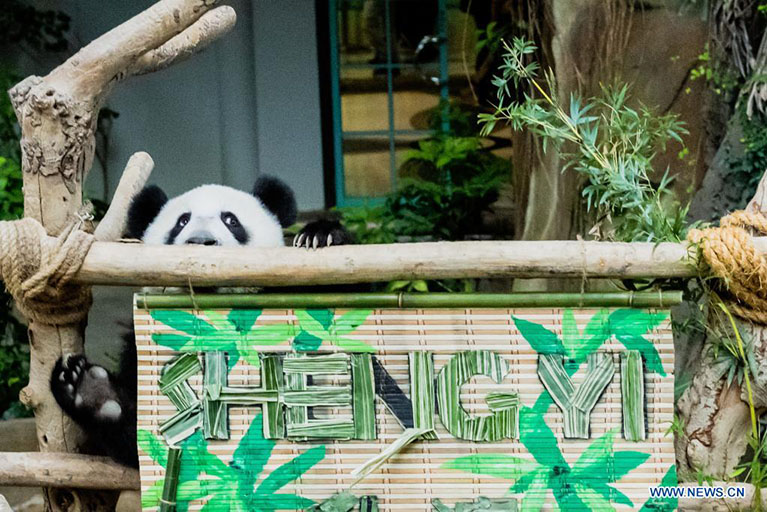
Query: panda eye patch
pixel 235 227
pixel 183 220
pixel 230 220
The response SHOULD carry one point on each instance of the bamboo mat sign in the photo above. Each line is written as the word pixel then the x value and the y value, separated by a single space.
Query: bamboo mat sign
pixel 404 409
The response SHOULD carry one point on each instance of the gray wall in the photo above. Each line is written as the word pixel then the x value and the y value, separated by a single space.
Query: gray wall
pixel 247 104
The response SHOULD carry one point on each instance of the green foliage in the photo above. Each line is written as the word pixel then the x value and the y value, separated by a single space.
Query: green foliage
pixel 609 143
pixel 24 25
pixel 446 184
pixel 722 79
pixel 230 486
pixel 746 169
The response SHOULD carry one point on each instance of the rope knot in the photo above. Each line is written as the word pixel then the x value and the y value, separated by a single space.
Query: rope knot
pixel 730 253
pixel 37 270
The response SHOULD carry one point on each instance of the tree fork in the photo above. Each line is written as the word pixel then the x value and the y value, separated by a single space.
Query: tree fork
pixel 58 114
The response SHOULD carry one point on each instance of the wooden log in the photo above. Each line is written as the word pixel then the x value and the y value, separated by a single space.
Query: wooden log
pixel 35 469
pixel 142 265
pixel 57 114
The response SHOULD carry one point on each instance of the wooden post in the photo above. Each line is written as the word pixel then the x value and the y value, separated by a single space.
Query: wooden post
pixel 716 416
pixel 58 115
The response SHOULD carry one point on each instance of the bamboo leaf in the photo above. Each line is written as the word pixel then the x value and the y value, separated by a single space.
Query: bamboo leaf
pixel 292 470
pixel 498 465
pixel 633 396
pixel 576 404
pixel 170 485
pixel 541 339
pixel 363 394
pixel 151 497
pixel 458 370
pixel 326 364
pixel 341 502
pixel 596 332
pixel 421 372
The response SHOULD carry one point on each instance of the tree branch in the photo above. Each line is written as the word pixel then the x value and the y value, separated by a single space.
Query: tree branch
pixel 133 179
pixel 35 469
pixel 107 58
pixel 198 35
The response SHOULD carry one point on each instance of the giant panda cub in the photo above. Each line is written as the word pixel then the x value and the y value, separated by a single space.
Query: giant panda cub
pixel 104 403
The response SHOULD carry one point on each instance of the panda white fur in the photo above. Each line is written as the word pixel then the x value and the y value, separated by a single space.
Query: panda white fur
pixel 104 403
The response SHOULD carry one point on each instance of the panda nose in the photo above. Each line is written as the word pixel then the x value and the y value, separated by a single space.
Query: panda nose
pixel 202 240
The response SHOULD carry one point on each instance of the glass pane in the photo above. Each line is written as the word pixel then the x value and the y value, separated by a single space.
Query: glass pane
pixel 364 111
pixel 414 107
pixel 367 168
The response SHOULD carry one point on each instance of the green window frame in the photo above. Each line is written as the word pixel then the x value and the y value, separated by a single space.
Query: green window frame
pixel 340 135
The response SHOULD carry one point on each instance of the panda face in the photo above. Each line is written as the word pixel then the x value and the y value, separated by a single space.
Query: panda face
pixel 215 215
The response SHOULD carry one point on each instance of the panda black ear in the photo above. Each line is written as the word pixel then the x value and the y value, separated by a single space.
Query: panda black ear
pixel 143 210
pixel 278 198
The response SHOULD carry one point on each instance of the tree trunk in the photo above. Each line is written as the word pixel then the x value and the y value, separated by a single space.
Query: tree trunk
pixel 716 416
pixel 57 114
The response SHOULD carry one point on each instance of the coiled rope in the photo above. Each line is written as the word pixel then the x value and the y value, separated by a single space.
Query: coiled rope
pixel 37 270
pixel 730 253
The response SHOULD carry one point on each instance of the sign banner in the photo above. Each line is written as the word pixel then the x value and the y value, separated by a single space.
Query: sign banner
pixel 412 409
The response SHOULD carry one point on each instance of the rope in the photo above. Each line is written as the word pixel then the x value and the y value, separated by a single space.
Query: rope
pixel 730 253
pixel 36 270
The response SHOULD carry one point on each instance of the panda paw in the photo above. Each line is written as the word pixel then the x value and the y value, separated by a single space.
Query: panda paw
pixel 322 233
pixel 84 391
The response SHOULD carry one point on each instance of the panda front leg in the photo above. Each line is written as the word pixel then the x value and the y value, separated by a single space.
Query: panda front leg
pixel 322 233
pixel 86 393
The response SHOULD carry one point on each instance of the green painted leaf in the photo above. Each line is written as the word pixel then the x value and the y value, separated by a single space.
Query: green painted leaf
pixel 630 326
pixel 305 342
pixel 608 492
pixel 596 332
pixel 592 499
pixel 152 446
pixel 253 451
pixel 539 440
pixel 598 452
pixel 541 339
pixel 243 319
pixel 498 465
pixel 625 461
pixel 351 345
pixel 183 321
pixel 151 497
pixel 292 470
pixel 284 502
pixel 571 338
pixel 173 341
pixel 348 322
pixel 536 493
pixel 323 316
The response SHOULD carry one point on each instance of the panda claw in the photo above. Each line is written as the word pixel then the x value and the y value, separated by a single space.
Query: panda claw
pixel 315 242
pixel 329 241
pixel 299 240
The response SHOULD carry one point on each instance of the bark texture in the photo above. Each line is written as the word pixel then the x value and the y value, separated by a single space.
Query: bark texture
pixel 716 416
pixel 57 114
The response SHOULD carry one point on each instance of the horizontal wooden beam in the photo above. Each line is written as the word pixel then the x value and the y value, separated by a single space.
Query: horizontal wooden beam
pixel 67 470
pixel 128 264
